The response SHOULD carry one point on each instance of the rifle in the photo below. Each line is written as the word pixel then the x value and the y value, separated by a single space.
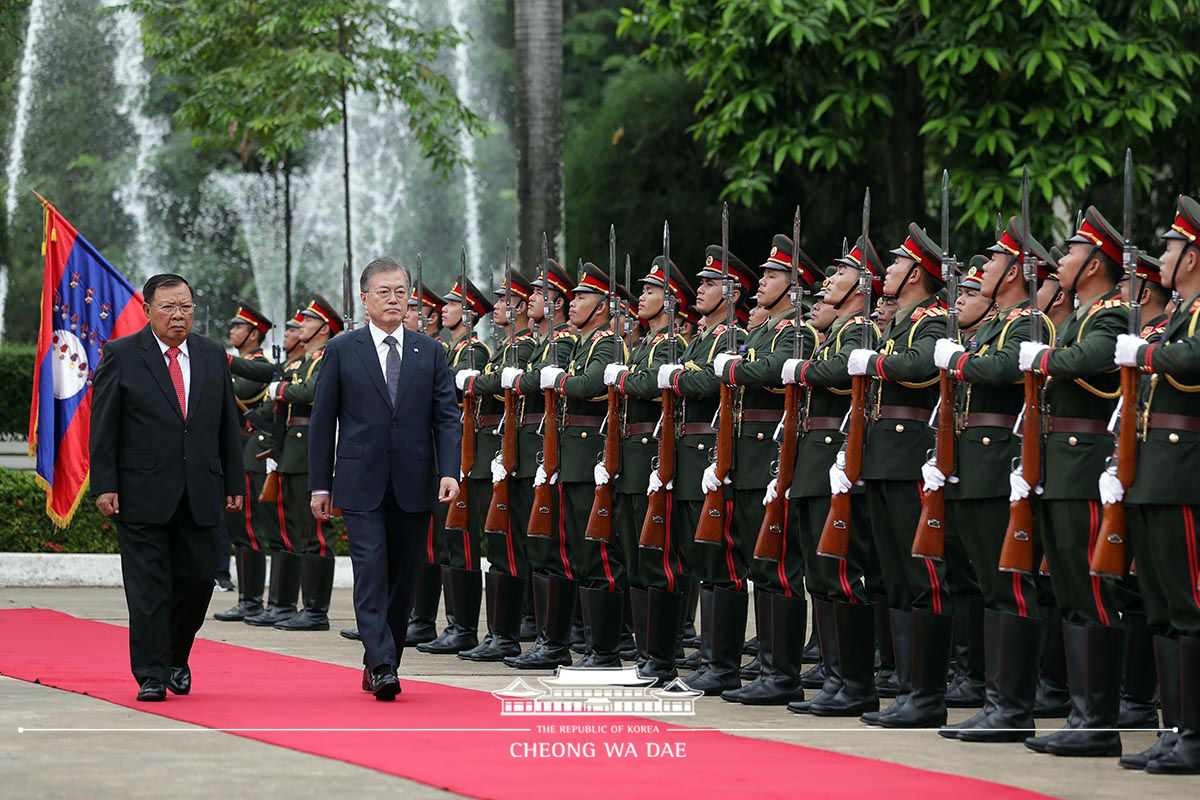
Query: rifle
pixel 835 536
pixel 419 292
pixel 1017 553
pixel 498 511
pixel 457 518
pixel 541 518
pixel 599 524
pixel 656 524
pixel 930 539
pixel 769 545
pixel 347 302
pixel 1108 557
pixel 711 528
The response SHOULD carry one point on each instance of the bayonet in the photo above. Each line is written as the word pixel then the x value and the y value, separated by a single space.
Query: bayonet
pixel 422 323
pixel 949 265
pixel 509 314
pixel 614 304
pixel 466 314
pixel 1029 260
pixel 796 293
pixel 668 295
pixel 1129 252
pixel 727 285
pixel 864 274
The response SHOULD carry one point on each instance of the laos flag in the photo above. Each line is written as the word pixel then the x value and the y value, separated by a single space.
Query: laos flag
pixel 85 302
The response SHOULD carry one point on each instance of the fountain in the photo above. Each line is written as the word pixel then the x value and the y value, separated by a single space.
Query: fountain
pixel 467 143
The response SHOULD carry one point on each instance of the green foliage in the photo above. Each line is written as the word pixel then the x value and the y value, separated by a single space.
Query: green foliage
pixel 16 387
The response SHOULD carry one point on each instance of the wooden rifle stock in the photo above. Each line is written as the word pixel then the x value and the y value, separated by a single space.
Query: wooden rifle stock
pixel 270 490
pixel 769 545
pixel 1108 557
pixel 456 517
pixel 541 518
pixel 498 511
pixel 654 527
pixel 835 536
pixel 930 540
pixel 599 524
pixel 1017 553
pixel 711 528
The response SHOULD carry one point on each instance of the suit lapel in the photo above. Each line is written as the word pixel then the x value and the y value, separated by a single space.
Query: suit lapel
pixel 198 371
pixel 155 362
pixel 408 367
pixel 370 361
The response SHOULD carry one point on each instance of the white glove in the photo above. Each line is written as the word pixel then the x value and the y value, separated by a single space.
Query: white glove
pixel 721 360
pixel 773 492
pixel 710 482
pixel 1111 490
pixel 463 376
pixel 656 483
pixel 1127 350
pixel 601 474
pixel 838 482
pixel 273 389
pixel 1018 487
pixel 856 364
pixel 499 473
pixel 943 351
pixel 664 375
pixel 788 373
pixel 509 377
pixel 540 477
pixel 550 376
pixel 272 465
pixel 934 478
pixel 613 372
pixel 1028 354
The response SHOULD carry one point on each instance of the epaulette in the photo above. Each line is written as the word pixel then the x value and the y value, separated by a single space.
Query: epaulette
pixel 929 311
pixel 717 331
pixel 859 320
pixel 1112 302
pixel 317 356
pixel 1016 313
pixel 564 334
pixel 525 337
pixel 787 323
pixel 1151 330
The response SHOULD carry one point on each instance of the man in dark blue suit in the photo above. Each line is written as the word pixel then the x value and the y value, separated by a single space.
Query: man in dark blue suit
pixel 385 399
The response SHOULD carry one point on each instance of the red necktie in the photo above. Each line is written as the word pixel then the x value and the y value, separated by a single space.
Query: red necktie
pixel 177 378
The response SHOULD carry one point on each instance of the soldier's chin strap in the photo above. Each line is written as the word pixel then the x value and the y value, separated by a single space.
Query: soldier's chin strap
pixel 977 320
pixel 1079 274
pixel 787 290
pixel 314 334
pixel 245 336
pixel 595 308
pixel 1012 262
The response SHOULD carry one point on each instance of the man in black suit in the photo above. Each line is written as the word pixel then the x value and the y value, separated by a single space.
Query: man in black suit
pixel 386 399
pixel 165 458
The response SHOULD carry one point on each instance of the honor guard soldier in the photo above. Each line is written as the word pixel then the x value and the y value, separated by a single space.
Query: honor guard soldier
pixel 779 603
pixel 460 574
pixel 250 529
pixel 721 568
pixel 599 566
pixel 504 583
pixel 843 612
pixel 310 536
pixel 1080 395
pixel 656 594
pixel 905 390
pixel 554 588
pixel 991 400
pixel 428 305
pixel 1161 504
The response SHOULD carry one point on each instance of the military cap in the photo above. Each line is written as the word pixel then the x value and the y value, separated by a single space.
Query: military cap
pixel 320 308
pixel 592 280
pixel 780 258
pixel 249 315
pixel 745 276
pixel 1099 232
pixel 428 297
pixel 921 249
pixel 1010 243
pixel 685 295
pixel 1149 268
pixel 690 314
pixel 476 302
pixel 972 279
pixel 854 259
pixel 295 321
pixel 521 287
pixel 560 281
pixel 1187 220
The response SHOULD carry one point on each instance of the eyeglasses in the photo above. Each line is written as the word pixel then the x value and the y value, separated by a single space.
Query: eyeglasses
pixel 187 309
pixel 400 293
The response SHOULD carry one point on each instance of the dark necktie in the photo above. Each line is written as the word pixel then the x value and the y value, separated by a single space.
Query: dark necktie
pixel 392 371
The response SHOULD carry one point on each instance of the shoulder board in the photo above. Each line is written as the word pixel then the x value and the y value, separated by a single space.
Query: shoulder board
pixel 1099 305
pixel 1150 330
pixel 525 337
pixel 859 320
pixel 928 311
pixel 563 334
pixel 717 331
pixel 293 364
pixel 318 355
pixel 1019 312
pixel 787 323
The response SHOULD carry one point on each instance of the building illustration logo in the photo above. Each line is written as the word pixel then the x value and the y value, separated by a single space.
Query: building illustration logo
pixel 610 690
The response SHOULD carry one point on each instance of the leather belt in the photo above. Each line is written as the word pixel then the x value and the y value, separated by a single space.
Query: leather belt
pixel 640 428
pixel 490 420
pixel 1077 425
pixel 979 419
pixel 295 421
pixel 1178 422
pixel 582 421
pixel 761 415
pixel 533 419
pixel 904 412
pixel 690 428
pixel 824 423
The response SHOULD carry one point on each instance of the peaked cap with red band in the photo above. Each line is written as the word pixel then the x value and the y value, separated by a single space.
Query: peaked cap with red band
pixel 560 281
pixel 685 295
pixel 921 249
pixel 1187 221
pixel 854 260
pixel 780 258
pixel 428 297
pixel 1149 268
pixel 295 321
pixel 478 304
pixel 1010 243
pixel 745 276
pixel 1099 232
pixel 521 287
pixel 249 315
pixel 322 309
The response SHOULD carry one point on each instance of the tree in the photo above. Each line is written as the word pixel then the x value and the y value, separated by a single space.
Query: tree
pixel 539 129
pixel 900 89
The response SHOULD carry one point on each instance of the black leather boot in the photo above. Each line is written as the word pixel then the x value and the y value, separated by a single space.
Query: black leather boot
pixel 854 641
pixel 1093 655
pixel 925 707
pixel 1184 757
pixel 505 598
pixel 251 576
pixel 691 600
pixel 316 579
pixel 696 660
pixel 1012 660
pixel 448 600
pixel 762 664
pixel 466 588
pixel 529 627
pixel 886 683
pixel 901 626
pixel 629 651
pixel 578 637
pixel 663 612
pixel 283 591
pixel 721 642
pixel 1166 662
pixel 779 685
pixel 540 586
pixel 1053 696
pixel 422 622
pixel 605 615
pixel 561 596
pixel 812 648
pixel 1139 703
pixel 827 637
pixel 965 690
pixel 638 619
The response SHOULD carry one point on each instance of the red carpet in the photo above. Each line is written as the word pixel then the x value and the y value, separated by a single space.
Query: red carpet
pixel 241 688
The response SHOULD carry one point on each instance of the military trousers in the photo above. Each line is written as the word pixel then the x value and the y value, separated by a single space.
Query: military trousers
pixel 833 578
pixel 308 535
pixel 600 565
pixel 506 551
pixel 660 569
pixel 910 583
pixel 462 546
pixel 725 563
pixel 982 524
pixel 629 512
pixel 1069 530
pixel 435 551
pixel 1165 543
pixel 552 554
pixel 960 575
pixel 256 526
pixel 785 576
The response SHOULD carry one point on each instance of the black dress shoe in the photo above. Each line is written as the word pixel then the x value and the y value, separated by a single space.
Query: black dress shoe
pixel 384 683
pixel 152 691
pixel 351 634
pixel 180 681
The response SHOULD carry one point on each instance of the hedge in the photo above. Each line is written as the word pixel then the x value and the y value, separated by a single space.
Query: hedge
pixel 27 529
pixel 16 387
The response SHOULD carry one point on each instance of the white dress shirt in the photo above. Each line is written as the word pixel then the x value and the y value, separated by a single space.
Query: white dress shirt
pixel 381 347
pixel 185 366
